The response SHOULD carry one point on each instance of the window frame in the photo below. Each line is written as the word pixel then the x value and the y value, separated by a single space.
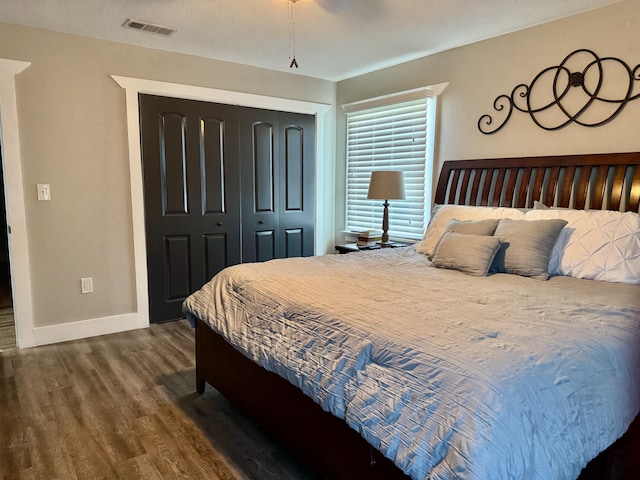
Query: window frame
pixel 430 93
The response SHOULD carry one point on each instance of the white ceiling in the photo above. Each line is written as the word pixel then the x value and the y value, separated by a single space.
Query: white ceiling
pixel 335 39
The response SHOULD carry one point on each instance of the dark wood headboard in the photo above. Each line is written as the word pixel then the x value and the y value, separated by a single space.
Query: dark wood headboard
pixel 608 181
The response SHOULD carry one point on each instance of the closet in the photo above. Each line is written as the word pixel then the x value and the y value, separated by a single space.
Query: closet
pixel 223 184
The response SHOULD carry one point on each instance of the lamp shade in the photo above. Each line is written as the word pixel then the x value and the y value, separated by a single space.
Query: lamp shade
pixel 386 185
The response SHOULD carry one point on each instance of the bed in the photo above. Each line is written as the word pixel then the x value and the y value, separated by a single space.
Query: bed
pixel 416 363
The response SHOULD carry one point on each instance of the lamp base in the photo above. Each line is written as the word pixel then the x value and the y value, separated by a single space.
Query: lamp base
pixel 385 225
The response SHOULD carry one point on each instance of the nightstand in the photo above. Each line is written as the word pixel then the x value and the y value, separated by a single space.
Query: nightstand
pixel 353 247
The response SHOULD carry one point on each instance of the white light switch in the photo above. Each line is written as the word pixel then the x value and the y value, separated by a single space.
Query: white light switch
pixel 44 193
pixel 86 285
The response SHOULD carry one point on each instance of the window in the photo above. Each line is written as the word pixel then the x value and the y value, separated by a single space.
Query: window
pixel 391 133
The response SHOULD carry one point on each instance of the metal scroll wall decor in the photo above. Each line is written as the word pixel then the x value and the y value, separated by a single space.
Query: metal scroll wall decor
pixel 564 95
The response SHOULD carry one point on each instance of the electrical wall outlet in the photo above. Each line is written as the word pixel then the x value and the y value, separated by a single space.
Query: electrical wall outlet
pixel 44 192
pixel 86 285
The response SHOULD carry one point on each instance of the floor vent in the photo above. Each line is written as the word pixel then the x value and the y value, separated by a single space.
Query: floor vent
pixel 149 27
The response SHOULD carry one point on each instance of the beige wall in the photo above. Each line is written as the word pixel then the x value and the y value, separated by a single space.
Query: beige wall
pixel 478 73
pixel 73 135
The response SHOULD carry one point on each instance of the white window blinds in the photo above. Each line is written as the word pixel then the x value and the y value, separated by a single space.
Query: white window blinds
pixel 389 137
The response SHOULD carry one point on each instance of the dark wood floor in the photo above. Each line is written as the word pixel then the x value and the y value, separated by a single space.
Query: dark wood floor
pixel 7 324
pixel 7 329
pixel 124 406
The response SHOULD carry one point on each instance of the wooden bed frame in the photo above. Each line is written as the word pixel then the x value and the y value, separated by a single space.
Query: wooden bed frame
pixel 326 443
pixel 600 182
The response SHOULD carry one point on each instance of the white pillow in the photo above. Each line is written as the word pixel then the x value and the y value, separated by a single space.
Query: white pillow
pixel 595 244
pixel 442 214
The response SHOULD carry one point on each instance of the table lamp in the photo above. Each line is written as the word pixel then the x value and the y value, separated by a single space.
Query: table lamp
pixel 386 185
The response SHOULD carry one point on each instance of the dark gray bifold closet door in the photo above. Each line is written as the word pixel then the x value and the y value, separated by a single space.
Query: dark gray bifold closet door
pixel 277 163
pixel 222 184
pixel 191 197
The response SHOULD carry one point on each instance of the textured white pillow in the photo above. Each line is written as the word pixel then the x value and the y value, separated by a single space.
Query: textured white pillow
pixel 442 214
pixel 595 244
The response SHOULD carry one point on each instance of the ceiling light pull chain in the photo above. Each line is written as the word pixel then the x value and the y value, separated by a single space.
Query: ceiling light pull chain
pixel 292 33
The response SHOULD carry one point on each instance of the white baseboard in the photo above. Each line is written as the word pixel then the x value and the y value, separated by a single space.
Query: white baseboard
pixel 64 332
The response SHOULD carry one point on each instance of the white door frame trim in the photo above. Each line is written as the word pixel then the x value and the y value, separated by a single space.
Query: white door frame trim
pixel 133 87
pixel 14 194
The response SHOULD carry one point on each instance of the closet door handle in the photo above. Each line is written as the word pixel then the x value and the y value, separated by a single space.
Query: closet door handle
pixel 260 222
pixel 219 224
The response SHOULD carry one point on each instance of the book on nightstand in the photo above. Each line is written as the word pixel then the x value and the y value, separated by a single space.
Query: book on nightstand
pixel 369 238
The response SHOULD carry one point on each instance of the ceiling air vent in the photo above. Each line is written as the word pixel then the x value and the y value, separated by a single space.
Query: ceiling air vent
pixel 149 27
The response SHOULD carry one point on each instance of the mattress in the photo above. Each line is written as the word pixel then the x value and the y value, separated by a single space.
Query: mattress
pixel 448 375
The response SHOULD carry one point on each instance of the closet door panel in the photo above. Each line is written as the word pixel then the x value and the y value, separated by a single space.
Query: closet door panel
pixel 265 245
pixel 262 136
pixel 173 163
pixel 297 217
pixel 216 252
pixel 293 168
pixel 294 242
pixel 212 165
pixel 260 174
pixel 178 266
